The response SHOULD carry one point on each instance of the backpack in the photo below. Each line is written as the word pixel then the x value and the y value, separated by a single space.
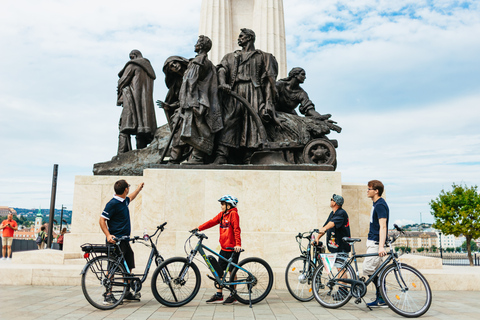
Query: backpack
pixel 40 238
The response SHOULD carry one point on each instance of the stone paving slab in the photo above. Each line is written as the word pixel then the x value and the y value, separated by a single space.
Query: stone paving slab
pixel 68 302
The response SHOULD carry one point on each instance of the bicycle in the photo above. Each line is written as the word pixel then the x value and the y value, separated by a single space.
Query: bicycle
pixel 106 272
pixel 403 288
pixel 299 271
pixel 180 280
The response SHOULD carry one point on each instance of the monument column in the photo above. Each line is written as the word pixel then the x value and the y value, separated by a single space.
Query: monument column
pixel 221 20
pixel 216 23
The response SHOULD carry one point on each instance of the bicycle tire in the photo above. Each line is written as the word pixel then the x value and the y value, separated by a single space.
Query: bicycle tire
pixel 171 291
pixel 330 296
pixel 96 282
pixel 299 284
pixel 263 274
pixel 406 292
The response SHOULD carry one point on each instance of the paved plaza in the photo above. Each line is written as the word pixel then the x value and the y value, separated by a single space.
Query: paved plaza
pixel 68 302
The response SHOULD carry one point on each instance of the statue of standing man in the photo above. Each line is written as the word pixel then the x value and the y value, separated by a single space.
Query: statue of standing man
pixel 199 116
pixel 135 94
pixel 252 74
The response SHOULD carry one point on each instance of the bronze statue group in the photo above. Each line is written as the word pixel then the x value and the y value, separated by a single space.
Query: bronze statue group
pixel 220 114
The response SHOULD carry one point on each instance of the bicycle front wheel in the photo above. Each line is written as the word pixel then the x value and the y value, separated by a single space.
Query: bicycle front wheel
pixel 328 289
pixel 299 279
pixel 405 290
pixel 261 278
pixel 103 283
pixel 175 282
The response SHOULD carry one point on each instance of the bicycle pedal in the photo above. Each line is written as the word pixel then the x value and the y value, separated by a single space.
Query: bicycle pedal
pixel 358 301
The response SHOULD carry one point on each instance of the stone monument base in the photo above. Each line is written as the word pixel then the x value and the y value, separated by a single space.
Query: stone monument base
pixel 274 206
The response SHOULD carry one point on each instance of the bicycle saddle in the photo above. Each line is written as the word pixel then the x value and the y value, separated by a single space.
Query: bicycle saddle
pixel 351 240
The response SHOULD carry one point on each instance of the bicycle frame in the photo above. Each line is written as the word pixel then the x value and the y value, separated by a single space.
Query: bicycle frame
pixel 153 253
pixel 308 253
pixel 391 256
pixel 220 280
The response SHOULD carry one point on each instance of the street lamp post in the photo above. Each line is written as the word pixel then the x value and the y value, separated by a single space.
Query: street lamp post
pixel 441 251
pixel 61 218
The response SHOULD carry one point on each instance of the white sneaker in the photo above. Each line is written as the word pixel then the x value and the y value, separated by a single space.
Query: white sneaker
pixel 3 258
pixel 9 259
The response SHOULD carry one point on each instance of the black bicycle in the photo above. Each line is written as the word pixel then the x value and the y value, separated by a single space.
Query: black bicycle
pixel 176 281
pixel 299 271
pixel 106 277
pixel 403 288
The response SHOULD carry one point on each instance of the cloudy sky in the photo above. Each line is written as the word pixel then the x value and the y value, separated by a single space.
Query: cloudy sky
pixel 401 77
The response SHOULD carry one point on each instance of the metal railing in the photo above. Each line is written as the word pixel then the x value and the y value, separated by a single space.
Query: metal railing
pixel 453 259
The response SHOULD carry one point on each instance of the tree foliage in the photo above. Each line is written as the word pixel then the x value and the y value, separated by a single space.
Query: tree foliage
pixel 473 246
pixel 457 212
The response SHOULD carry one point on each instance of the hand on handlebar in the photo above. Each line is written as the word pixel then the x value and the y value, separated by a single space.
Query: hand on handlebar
pixel 381 251
pixel 237 248
pixel 111 239
pixel 317 238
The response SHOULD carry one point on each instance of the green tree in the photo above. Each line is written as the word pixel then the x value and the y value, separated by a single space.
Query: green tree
pixel 457 212
pixel 433 249
pixel 408 249
pixel 473 246
pixel 420 249
pixel 450 249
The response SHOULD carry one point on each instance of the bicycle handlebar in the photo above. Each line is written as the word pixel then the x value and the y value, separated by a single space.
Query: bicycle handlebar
pixel 230 248
pixel 160 227
pixel 306 235
pixel 198 234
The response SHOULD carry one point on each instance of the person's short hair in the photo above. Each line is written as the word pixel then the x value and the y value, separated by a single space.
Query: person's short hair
pixel 120 186
pixel 42 228
pixel 249 32
pixel 206 43
pixel 376 185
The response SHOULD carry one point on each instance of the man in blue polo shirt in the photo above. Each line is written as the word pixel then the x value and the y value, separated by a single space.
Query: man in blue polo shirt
pixel 377 235
pixel 115 223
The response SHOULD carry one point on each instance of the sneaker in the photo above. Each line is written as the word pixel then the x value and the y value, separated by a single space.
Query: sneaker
pixel 340 295
pixel 215 299
pixel 230 300
pixel 378 303
pixel 109 299
pixel 3 258
pixel 131 296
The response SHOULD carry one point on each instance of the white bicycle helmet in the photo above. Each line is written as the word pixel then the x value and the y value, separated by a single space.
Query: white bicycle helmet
pixel 229 199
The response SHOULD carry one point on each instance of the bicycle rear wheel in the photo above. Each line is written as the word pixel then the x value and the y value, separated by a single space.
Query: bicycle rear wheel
pixel 405 290
pixel 103 283
pixel 298 279
pixel 262 280
pixel 328 289
pixel 175 282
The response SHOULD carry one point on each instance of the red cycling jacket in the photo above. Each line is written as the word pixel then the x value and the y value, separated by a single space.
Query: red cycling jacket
pixel 229 228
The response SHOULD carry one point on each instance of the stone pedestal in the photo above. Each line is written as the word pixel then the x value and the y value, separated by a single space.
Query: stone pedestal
pixel 273 206
pixel 221 21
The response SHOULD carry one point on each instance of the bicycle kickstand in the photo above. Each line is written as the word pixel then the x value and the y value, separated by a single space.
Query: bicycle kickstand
pixel 366 304
pixel 250 294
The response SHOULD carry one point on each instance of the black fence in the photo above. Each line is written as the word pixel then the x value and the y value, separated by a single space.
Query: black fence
pixel 460 259
pixel 26 245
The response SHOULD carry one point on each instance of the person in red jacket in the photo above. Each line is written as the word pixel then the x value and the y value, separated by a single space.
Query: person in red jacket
pixel 229 222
